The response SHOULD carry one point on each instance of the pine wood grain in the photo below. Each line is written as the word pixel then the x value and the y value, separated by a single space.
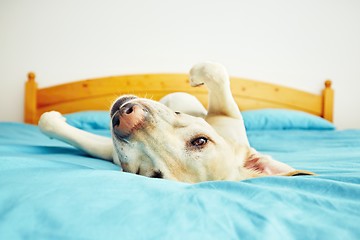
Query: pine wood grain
pixel 98 94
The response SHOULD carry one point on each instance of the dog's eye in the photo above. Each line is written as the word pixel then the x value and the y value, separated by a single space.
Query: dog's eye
pixel 177 113
pixel 200 141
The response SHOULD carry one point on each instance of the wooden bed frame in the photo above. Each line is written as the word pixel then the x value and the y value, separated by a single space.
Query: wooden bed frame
pixel 98 94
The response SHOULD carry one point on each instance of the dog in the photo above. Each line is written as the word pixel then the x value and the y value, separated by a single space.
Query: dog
pixel 176 138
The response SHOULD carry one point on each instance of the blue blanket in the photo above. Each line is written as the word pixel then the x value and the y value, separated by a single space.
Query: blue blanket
pixel 49 190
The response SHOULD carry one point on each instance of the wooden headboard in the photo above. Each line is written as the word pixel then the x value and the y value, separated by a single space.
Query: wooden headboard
pixel 98 94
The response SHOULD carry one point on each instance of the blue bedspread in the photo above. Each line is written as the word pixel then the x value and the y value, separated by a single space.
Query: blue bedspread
pixel 49 190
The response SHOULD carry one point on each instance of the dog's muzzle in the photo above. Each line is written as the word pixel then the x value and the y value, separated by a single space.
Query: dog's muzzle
pixel 129 117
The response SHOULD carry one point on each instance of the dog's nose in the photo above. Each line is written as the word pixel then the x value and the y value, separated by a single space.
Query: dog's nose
pixel 128 108
pixel 115 120
pixel 119 102
pixel 129 117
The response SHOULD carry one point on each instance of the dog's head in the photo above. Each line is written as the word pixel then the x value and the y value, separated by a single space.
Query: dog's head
pixel 152 140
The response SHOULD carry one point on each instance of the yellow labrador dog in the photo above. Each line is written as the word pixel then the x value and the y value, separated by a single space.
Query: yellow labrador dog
pixel 176 138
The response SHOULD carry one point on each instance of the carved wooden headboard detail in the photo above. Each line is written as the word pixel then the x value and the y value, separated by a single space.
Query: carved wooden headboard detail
pixel 98 94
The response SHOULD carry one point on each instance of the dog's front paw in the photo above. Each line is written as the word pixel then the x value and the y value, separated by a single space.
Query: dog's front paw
pixel 208 73
pixel 50 121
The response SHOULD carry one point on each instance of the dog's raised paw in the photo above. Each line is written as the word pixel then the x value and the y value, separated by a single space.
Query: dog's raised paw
pixel 208 73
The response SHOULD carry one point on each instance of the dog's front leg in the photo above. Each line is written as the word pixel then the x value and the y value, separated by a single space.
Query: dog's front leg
pixel 217 80
pixel 223 112
pixel 54 125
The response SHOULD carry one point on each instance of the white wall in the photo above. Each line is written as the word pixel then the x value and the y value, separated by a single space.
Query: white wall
pixel 295 43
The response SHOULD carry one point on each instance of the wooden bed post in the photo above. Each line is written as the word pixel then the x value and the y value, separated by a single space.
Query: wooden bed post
pixel 328 101
pixel 30 100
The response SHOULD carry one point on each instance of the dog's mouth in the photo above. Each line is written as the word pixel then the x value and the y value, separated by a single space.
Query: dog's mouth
pixel 127 116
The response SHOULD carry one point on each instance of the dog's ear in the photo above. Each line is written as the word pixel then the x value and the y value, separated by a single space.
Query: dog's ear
pixel 266 165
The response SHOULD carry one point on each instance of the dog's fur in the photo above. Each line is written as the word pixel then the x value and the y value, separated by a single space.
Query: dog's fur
pixel 176 139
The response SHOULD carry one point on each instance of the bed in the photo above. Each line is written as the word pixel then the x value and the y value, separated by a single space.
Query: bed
pixel 50 190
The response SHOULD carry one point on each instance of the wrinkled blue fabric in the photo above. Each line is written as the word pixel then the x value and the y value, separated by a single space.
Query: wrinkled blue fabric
pixel 49 190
